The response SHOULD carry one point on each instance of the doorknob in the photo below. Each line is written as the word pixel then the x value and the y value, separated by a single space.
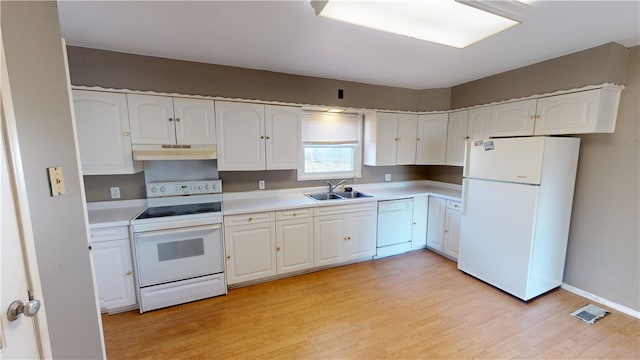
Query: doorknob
pixel 18 308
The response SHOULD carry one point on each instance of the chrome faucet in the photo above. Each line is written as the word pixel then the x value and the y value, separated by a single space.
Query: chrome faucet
pixel 333 187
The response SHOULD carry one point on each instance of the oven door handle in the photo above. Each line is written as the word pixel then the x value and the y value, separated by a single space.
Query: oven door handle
pixel 178 230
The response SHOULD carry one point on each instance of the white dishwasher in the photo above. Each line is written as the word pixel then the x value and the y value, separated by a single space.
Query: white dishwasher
pixel 395 226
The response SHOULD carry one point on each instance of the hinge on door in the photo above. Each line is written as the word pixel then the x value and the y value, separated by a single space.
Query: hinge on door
pixel 30 294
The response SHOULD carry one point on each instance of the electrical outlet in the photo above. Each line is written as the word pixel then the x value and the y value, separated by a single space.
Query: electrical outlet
pixel 115 192
pixel 261 184
pixel 387 177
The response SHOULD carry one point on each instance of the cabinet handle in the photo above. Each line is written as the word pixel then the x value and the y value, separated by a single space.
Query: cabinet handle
pixel 228 257
pixel 261 137
pixel 250 218
pixel 417 139
pixel 170 119
pixel 177 119
pixel 128 273
pixel 346 238
pixel 125 133
pixel 538 116
pixel 531 117
pixel 278 248
pixel 349 237
pixel 268 138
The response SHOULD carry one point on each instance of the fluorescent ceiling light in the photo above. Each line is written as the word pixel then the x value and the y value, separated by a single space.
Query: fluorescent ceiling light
pixel 448 22
pixel 335 110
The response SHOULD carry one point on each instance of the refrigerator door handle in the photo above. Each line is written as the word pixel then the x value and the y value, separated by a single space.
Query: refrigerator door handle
pixel 465 185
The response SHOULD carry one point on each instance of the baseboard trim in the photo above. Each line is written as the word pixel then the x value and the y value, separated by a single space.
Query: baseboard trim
pixel 623 309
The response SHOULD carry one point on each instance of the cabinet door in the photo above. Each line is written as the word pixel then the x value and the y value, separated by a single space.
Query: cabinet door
pixel 102 125
pixel 361 238
pixel 451 232
pixel 195 122
pixel 294 240
pixel 432 146
pixel 419 234
pixel 241 136
pixel 435 223
pixel 282 127
pixel 407 136
pixel 513 119
pixel 251 252
pixel 380 139
pixel 114 274
pixel 574 113
pixel 479 125
pixel 329 238
pixel 151 119
pixel 456 137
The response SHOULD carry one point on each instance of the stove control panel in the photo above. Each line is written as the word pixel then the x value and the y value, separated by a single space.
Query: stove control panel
pixel 178 188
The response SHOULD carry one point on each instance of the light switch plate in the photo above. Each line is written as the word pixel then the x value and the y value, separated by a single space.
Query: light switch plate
pixel 261 184
pixel 56 180
pixel 115 192
pixel 387 177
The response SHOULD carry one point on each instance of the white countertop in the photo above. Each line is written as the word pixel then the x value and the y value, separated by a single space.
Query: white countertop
pixel 119 213
pixel 113 213
pixel 272 200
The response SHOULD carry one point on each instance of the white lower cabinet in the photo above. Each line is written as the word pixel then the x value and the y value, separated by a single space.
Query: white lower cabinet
pixel 452 228
pixel 419 235
pixel 111 251
pixel 443 229
pixel 294 240
pixel 250 247
pixel 344 233
pixel 260 245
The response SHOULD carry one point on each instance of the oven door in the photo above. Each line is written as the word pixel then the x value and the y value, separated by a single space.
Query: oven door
pixel 177 254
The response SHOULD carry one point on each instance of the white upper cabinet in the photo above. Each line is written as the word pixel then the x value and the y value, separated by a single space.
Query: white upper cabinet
pixel 432 139
pixel 104 138
pixel 282 129
pixel 592 111
pixel 390 139
pixel 166 120
pixel 245 135
pixel 195 121
pixel 479 125
pixel 513 119
pixel 456 137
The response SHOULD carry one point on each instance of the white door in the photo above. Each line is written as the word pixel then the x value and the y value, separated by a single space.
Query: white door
pixel 496 233
pixel 406 148
pixel 386 138
pixel 513 119
pixel 151 119
pixel 435 223
pixel 114 274
pixel 456 137
pixel 574 113
pixel 241 136
pixel 102 123
pixel 451 232
pixel 282 128
pixel 294 245
pixel 419 234
pixel 362 235
pixel 195 122
pixel 329 237
pixel 432 147
pixel 479 125
pixel 18 338
pixel 251 252
pixel 510 159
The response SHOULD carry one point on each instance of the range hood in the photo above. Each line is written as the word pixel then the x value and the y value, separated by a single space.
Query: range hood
pixel 174 152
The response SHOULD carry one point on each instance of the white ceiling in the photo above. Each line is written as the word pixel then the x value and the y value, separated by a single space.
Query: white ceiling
pixel 286 36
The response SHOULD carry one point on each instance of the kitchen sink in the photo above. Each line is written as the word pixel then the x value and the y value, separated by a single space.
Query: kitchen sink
pixel 342 195
pixel 352 194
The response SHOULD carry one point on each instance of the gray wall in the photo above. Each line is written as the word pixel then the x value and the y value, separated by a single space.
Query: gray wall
pixel 603 255
pixel 91 67
pixel 604 243
pixel 108 69
pixel 34 54
pixel 602 64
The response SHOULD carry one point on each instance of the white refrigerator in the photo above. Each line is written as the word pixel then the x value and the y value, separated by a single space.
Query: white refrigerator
pixel 517 198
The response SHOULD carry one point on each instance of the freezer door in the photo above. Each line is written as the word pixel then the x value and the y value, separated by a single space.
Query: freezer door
pixel 496 233
pixel 513 159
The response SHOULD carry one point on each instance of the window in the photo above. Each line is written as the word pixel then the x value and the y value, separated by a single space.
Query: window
pixel 331 146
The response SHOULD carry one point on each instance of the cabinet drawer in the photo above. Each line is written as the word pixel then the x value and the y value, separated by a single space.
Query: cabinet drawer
pixel 250 218
pixel 110 233
pixel 341 209
pixel 452 204
pixel 294 214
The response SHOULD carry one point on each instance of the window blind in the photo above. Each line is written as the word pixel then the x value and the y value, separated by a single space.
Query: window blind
pixel 329 128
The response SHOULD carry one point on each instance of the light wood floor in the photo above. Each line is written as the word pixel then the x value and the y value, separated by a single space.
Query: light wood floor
pixel 412 306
